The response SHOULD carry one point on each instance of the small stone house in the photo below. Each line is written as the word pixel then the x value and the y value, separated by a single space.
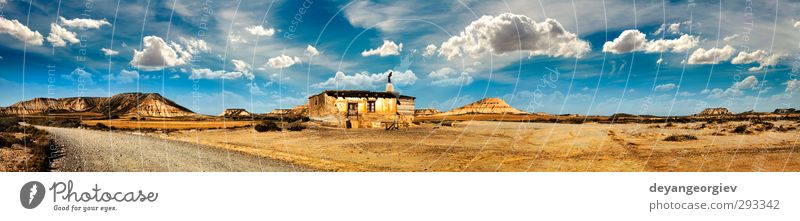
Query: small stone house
pixel 361 108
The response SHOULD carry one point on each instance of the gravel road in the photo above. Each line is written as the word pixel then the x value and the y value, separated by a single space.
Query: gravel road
pixel 91 150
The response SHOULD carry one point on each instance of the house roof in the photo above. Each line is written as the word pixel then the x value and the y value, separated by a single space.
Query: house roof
pixel 362 93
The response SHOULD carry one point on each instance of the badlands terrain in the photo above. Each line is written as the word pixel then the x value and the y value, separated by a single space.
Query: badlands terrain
pixel 146 132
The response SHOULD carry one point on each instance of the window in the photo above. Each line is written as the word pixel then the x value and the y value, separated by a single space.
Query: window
pixel 371 106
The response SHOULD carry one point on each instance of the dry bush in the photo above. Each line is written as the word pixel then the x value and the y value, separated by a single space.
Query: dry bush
pixel 741 129
pixel 296 126
pixel 267 126
pixel 680 138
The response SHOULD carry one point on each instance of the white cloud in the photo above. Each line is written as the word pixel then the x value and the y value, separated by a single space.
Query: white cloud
pixel 666 87
pixel 59 36
pixel 205 73
pixel 283 61
pixel 797 24
pixel 240 65
pixel 711 56
pixel 683 43
pixel 448 77
pixel 260 30
pixel 792 86
pixel 126 76
pixel 83 23
pixel 634 40
pixel 388 48
pixel 244 68
pixel 109 52
pixel 79 76
pixel 365 80
pixel 157 54
pixel 731 38
pixel 628 41
pixel 429 50
pixel 20 31
pixel 761 57
pixel 236 38
pixel 311 51
pixel 511 32
pixel 369 14
pixel 750 82
pixel 674 28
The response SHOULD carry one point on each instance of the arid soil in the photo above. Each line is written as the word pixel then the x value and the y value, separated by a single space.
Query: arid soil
pixel 169 124
pixel 93 150
pixel 511 146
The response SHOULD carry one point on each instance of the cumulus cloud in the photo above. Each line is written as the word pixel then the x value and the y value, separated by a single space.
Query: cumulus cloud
pixel 260 30
pixel 79 76
pixel 157 54
pixel 674 28
pixel 711 56
pixel 311 51
pixel 205 73
pixel 283 61
pixel 430 50
pixel 792 86
pixel 448 77
pixel 666 87
pixel 511 32
pixel 109 52
pixel 126 76
pixel 633 40
pixel 750 82
pixel 20 32
pixel 59 36
pixel 797 24
pixel 761 57
pixel 365 80
pixel 243 67
pixel 83 23
pixel 388 48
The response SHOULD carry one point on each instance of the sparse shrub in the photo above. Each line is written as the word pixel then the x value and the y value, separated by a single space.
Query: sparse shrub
pixel 681 137
pixel 296 126
pixel 740 129
pixel 267 126
pixel 669 124
pixel 100 126
pixel 448 123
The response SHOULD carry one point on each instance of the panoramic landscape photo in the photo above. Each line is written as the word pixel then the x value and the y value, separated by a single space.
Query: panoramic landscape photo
pixel 399 86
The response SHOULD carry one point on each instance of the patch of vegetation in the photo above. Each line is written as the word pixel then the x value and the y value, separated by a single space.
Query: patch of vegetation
pixel 266 126
pixel 34 151
pixel 58 122
pixel 296 126
pixel 741 129
pixel 680 137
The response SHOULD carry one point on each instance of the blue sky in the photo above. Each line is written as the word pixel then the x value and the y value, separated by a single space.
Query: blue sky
pixel 590 57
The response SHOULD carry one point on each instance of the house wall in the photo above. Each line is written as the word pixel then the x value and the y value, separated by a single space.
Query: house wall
pixel 333 111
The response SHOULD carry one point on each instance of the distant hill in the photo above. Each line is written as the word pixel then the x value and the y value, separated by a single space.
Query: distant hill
pixel 715 112
pixel 235 112
pixel 120 105
pixel 485 106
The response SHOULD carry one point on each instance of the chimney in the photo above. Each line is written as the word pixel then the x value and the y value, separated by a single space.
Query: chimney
pixel 389 86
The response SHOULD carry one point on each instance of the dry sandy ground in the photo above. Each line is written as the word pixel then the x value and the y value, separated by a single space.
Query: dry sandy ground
pixel 93 150
pixel 169 124
pixel 510 146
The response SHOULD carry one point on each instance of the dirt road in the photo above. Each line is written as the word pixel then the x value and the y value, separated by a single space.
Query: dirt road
pixel 92 150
